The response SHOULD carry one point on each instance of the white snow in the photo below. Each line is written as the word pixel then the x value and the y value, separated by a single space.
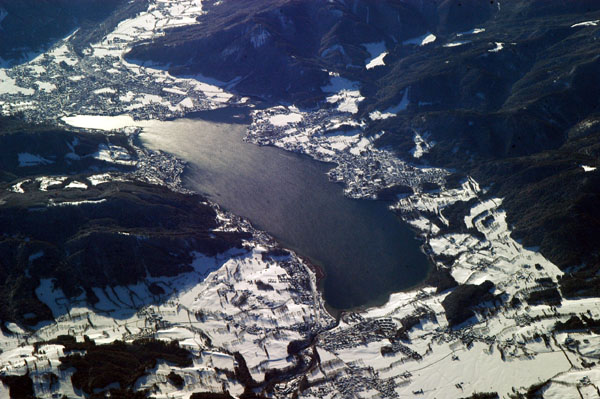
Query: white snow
pixel 499 46
pixel 424 224
pixel 50 181
pixel 113 154
pixel 588 168
pixel 186 103
pixel 54 298
pixel 105 90
pixel 347 100
pixel 99 121
pixel 471 32
pixel 421 40
pixel 204 299
pixel 62 53
pixel 18 187
pixel 285 119
pixel 99 179
pixel 174 90
pixel 347 94
pixel 361 146
pixel 377 61
pixel 586 23
pixel 142 100
pixel 378 115
pixel 421 145
pixel 76 185
pixel 127 97
pixel 37 69
pixel 15 328
pixel 343 141
pixel 77 203
pixel 456 44
pixel 392 111
pixel 9 85
pixel 377 52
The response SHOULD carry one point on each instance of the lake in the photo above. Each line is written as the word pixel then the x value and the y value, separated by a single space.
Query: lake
pixel 366 252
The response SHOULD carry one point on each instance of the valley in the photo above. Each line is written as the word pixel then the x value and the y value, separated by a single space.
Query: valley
pixel 117 245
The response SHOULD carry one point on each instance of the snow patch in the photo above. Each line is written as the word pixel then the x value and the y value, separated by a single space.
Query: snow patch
pixel 392 111
pixel 45 86
pixel 421 145
pixel 113 154
pixel 421 40
pixel 586 23
pixel 105 90
pixel 499 46
pixel 47 182
pixel 285 119
pixel 347 94
pixel 54 298
pixel 37 69
pixel 378 115
pixel 18 188
pixel 9 85
pixel 347 100
pixel 77 203
pixel 173 90
pixel 76 185
pixel 99 179
pixel 100 122
pixel 456 44
pixel 377 52
pixel 588 168
pixel 186 103
pixel 474 31
pixel 62 53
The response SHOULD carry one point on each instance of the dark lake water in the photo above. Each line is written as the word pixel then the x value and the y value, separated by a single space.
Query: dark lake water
pixel 365 250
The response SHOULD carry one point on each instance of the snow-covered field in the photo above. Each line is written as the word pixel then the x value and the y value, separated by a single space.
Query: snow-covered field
pixel 214 311
pixel 421 40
